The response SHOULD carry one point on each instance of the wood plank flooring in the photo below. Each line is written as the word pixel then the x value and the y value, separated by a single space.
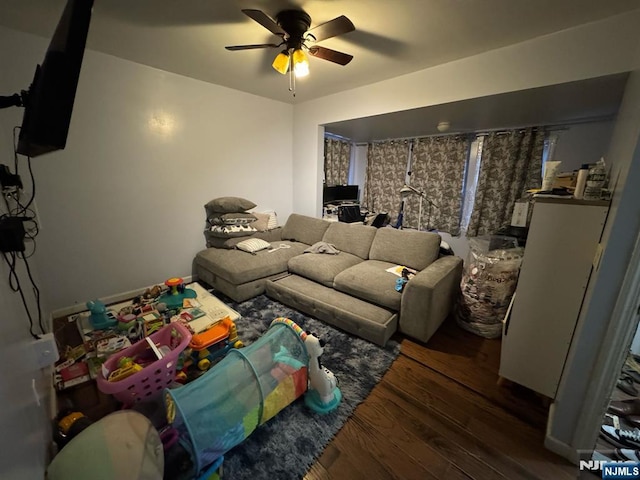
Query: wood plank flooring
pixel 438 413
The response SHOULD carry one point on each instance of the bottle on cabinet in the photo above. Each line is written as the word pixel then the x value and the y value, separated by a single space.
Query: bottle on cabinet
pixel 581 181
pixel 596 179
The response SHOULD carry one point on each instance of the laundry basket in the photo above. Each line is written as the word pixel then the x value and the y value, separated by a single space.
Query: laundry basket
pixel 154 377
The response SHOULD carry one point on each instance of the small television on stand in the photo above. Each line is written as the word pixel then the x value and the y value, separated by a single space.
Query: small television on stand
pixel 48 102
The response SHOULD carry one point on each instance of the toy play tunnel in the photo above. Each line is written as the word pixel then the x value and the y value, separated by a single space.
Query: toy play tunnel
pixel 245 389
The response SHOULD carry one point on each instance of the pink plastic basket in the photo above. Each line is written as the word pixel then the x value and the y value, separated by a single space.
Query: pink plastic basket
pixel 153 378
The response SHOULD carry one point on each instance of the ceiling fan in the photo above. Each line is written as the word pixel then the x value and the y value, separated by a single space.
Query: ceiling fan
pixel 292 26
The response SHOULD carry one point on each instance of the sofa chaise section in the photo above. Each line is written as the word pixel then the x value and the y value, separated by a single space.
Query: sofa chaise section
pixel 240 275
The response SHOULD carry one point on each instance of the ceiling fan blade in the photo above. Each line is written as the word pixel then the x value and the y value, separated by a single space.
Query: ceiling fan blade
pixel 234 48
pixel 331 55
pixel 265 20
pixel 332 28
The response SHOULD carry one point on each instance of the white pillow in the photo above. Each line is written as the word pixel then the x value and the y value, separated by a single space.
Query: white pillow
pixel 273 220
pixel 253 245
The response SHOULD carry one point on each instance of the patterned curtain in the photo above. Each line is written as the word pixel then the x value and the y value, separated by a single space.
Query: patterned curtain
pixel 337 157
pixel 437 169
pixel 386 173
pixel 511 164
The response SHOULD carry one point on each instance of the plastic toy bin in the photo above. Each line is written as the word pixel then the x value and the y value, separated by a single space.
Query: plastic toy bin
pixel 153 378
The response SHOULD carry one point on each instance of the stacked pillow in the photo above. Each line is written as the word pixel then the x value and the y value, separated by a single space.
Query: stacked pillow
pixel 229 221
pixel 227 218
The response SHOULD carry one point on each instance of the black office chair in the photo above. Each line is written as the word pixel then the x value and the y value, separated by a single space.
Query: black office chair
pixel 350 214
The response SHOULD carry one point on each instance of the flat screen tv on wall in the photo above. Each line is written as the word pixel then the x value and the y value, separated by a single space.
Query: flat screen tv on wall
pixel 49 101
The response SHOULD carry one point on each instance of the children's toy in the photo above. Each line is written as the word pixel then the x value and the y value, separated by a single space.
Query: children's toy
pixel 100 318
pixel 130 326
pixel 110 344
pixel 221 408
pixel 323 395
pixel 176 294
pixel 126 368
pixel 156 374
pixel 151 322
pixel 213 343
pixel 72 375
pixel 67 425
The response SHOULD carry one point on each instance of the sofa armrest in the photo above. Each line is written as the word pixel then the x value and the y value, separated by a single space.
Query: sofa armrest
pixel 428 297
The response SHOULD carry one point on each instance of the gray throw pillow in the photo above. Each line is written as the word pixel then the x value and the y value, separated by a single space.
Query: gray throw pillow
pixel 262 221
pixel 231 218
pixel 229 231
pixel 228 205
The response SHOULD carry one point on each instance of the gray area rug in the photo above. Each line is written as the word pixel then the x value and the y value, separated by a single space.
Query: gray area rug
pixel 286 446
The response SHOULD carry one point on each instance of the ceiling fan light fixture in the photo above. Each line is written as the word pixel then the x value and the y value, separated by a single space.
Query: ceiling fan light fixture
pixel 300 63
pixel 281 62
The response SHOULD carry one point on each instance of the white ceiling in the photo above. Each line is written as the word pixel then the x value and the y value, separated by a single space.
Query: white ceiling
pixel 391 38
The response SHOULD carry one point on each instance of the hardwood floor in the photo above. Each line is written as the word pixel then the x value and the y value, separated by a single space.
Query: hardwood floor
pixel 438 413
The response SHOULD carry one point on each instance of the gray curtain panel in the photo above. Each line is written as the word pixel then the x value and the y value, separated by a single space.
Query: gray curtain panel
pixel 437 169
pixel 337 158
pixel 386 173
pixel 511 164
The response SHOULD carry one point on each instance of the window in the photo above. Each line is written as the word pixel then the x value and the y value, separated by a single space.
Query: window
pixel 471 181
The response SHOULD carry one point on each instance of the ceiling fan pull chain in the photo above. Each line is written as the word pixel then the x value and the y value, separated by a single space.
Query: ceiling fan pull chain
pixel 292 79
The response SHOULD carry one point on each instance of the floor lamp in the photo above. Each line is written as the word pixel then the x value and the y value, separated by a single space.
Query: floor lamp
pixel 408 189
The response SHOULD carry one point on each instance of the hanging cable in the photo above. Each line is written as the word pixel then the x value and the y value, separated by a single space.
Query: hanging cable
pixel 23 213
pixel 36 292
pixel 18 288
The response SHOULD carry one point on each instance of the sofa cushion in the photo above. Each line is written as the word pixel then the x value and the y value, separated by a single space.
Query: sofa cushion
pixel 370 281
pixel 239 218
pixel 322 267
pixel 219 242
pixel 261 222
pixel 236 266
pixel 230 231
pixel 355 316
pixel 354 239
pixel 253 245
pixel 302 228
pixel 410 248
pixel 228 205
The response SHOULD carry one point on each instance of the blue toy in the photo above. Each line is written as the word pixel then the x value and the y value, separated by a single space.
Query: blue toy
pixel 100 318
pixel 249 386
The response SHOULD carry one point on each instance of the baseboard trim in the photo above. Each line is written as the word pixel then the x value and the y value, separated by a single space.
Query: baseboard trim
pixel 111 299
pixel 558 447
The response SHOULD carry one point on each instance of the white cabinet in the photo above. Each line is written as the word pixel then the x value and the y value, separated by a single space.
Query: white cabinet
pixel 558 258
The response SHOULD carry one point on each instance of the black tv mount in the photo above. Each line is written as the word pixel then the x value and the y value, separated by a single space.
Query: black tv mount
pixel 15 100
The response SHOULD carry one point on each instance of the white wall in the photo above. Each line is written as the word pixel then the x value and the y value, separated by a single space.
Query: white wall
pixel 584 143
pixel 618 240
pixel 25 422
pixel 122 206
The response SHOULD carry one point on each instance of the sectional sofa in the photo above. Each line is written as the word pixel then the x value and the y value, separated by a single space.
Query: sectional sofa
pixel 351 290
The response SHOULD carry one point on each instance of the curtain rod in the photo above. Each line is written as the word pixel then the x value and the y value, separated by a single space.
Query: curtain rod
pixel 552 127
pixel 337 137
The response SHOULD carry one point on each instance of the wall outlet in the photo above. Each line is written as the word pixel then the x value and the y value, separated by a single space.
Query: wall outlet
pixel 520 213
pixel 46 350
